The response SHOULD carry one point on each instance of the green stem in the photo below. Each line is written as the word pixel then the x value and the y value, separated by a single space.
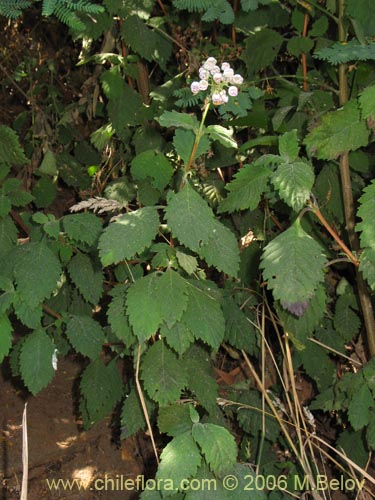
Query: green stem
pixel 198 137
pixel 322 9
pixel 348 200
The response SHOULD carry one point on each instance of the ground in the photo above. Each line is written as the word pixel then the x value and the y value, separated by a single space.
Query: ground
pixel 57 447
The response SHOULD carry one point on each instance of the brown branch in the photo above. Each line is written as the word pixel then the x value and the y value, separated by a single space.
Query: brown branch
pixel 303 57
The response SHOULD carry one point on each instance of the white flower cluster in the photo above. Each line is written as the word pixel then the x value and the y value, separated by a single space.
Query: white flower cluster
pixel 222 80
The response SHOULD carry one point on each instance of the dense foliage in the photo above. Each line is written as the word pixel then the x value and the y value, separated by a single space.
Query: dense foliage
pixel 206 231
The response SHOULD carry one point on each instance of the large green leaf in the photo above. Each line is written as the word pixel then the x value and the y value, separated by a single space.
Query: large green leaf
pixel 88 280
pixel 156 299
pixel 116 315
pixel 153 166
pixel 261 49
pixel 292 264
pixel 6 331
pixel 10 148
pixel 204 316
pixel 164 376
pixel 85 227
pixel 217 445
pixel 294 181
pixel 101 388
pixel 339 131
pixel 246 188
pixel 36 360
pixel 190 218
pixel 181 120
pixel 367 102
pixel 180 460
pixel 183 141
pixel 128 235
pixel 361 407
pixel 37 272
pixel 85 334
pixel 8 235
pixel 366 211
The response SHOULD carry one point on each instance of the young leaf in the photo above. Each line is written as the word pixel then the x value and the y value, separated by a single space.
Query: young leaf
pixel 6 331
pixel 294 181
pixel 37 272
pixel 36 361
pixel 246 188
pixel 164 376
pixel 180 120
pixel 190 218
pixel 85 335
pixel 84 227
pixel 10 148
pixel 218 446
pixel 88 280
pixel 156 299
pixel 180 459
pixel 361 407
pixel 154 166
pixel 339 131
pixel 128 235
pixel 292 264
pixel 222 251
pixel 101 388
pixel 200 377
pixel 204 316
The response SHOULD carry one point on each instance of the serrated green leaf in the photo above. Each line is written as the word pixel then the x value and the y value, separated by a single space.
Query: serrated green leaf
pixel 353 50
pixel 101 388
pixel 132 416
pixel 261 49
pixel 239 332
pixel 178 336
pixel 5 205
pixel 292 264
pixel 288 146
pixel 174 419
pixel 85 227
pixel 294 182
pixel 180 459
pixel 128 235
pixel 201 381
pixel 116 315
pixel 339 131
pixel 360 407
pixel 36 361
pixel 370 433
pixel 204 316
pixel 8 236
pixel 223 135
pixel 246 188
pixel 164 376
pixel 154 166
pixel 367 266
pixel 188 262
pixel 367 102
pixel 346 321
pixel 190 218
pixel 156 299
pixel 183 142
pixel 36 273
pixel 6 331
pixel 10 147
pixel 29 316
pixel 222 251
pixel 88 279
pixel 366 212
pixel 85 334
pixel 299 44
pixel 181 120
pixel 218 446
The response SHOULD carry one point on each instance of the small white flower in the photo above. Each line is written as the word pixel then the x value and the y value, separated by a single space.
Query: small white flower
pixel 233 91
pixel 217 99
pixel 225 65
pixel 237 79
pixel 203 74
pixel 228 74
pixel 210 63
pixel 214 70
pixel 217 77
pixel 203 85
pixel 194 87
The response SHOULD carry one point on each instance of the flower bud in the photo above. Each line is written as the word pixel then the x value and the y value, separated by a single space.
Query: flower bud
pixel 194 87
pixel 225 65
pixel 228 74
pixel 233 91
pixel 217 77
